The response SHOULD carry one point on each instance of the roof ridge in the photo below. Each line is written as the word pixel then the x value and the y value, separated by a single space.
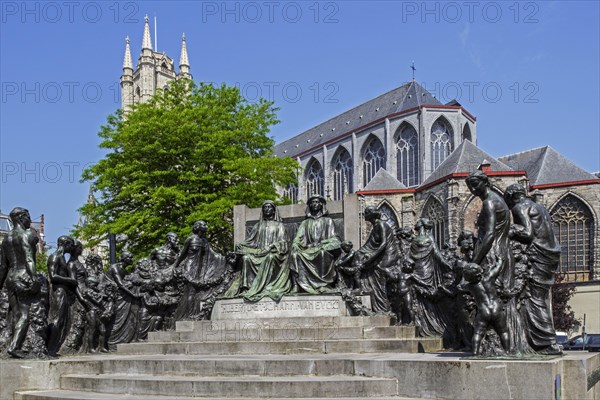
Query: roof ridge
pixel 406 94
pixel 463 149
pixel 346 112
pixel 568 159
pixel 382 175
pixel 543 156
pixel 461 160
pixel 523 152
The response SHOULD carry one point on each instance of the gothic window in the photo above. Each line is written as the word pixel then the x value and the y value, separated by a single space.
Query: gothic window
pixel 315 179
pixel 434 210
pixel 138 94
pixel 342 174
pixel 407 145
pixel 389 216
pixel 441 142
pixel 573 227
pixel 467 133
pixel 373 159
pixel 291 193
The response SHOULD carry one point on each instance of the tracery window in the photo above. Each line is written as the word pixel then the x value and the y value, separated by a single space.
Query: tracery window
pixel 291 192
pixel 574 228
pixel 434 210
pixel 373 160
pixel 441 142
pixel 407 145
pixel 342 174
pixel 315 179
pixel 389 216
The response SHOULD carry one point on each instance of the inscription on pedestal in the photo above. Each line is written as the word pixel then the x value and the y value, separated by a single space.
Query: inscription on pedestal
pixel 285 306
pixel 290 306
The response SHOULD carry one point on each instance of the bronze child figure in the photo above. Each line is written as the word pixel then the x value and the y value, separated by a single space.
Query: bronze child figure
pixel 490 313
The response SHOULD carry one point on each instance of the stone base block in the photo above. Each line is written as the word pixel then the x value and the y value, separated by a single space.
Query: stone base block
pixel 356 376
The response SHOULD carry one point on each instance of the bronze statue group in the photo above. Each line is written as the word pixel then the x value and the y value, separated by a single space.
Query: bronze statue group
pixel 492 297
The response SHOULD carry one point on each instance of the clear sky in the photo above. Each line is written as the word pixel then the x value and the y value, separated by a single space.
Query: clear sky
pixel 529 72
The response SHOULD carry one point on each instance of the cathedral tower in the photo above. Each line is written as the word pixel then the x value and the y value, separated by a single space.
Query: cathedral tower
pixel 154 70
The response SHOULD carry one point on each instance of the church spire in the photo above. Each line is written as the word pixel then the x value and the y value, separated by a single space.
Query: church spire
pixel 127 78
pixel 184 62
pixel 127 63
pixel 147 41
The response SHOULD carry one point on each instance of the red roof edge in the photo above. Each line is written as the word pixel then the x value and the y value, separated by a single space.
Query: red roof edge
pixel 563 184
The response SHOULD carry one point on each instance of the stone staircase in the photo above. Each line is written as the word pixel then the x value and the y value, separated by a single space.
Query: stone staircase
pixel 278 358
pixel 285 336
pixel 296 357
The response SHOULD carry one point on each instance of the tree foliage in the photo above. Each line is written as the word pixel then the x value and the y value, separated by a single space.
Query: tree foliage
pixel 41 260
pixel 190 153
pixel 564 316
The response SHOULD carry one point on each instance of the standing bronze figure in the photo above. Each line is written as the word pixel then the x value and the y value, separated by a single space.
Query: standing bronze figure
pixel 205 273
pixel 124 324
pixel 62 295
pixel 493 248
pixel 17 270
pixel 533 227
pixel 378 255
pixel 425 271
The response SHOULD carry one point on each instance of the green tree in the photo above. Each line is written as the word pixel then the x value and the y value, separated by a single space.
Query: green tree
pixel 190 153
pixel 41 260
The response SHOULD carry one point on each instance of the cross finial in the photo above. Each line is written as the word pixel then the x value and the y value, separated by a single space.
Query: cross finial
pixel 413 69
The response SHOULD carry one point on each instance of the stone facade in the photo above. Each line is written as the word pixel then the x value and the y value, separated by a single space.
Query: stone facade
pixel 590 196
pixel 379 124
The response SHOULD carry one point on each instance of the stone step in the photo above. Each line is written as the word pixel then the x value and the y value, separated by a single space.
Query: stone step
pixel 228 387
pixel 253 332
pixel 226 365
pixel 286 322
pixel 79 395
pixel 417 345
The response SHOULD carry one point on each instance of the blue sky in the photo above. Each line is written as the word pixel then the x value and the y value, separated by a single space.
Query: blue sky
pixel 529 72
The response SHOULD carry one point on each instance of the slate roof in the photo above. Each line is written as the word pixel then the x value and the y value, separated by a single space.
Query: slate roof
pixel 405 97
pixel 465 158
pixel 545 165
pixel 383 180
